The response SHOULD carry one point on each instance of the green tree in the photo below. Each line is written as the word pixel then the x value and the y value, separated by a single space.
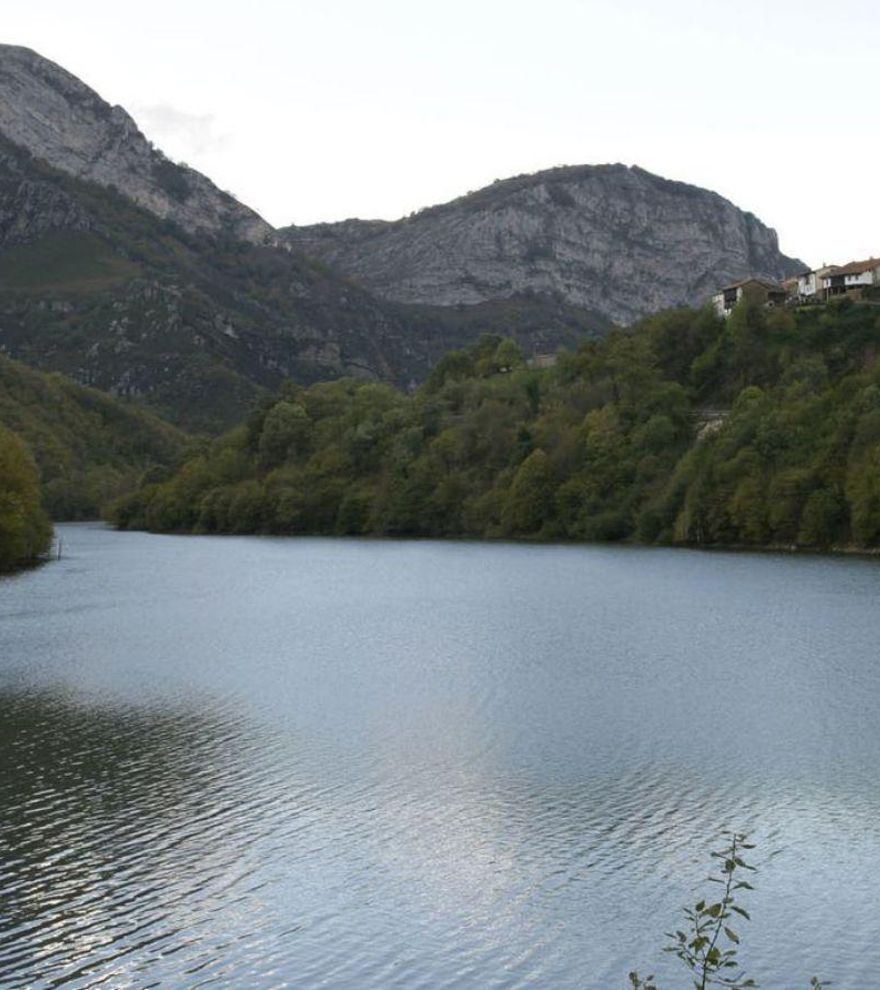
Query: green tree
pixel 285 434
pixel 25 531
pixel 528 507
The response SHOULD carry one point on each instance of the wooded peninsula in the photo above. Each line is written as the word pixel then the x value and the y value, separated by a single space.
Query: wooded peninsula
pixel 759 430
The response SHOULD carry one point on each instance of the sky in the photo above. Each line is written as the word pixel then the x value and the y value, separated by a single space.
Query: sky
pixel 311 110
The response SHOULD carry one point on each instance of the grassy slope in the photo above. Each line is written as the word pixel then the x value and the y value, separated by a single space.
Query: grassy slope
pixel 197 327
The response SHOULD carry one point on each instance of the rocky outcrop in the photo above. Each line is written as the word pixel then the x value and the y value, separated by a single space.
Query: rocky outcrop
pixel 30 209
pixel 609 238
pixel 60 120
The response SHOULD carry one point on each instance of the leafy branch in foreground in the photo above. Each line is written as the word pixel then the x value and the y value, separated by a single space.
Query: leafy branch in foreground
pixel 708 944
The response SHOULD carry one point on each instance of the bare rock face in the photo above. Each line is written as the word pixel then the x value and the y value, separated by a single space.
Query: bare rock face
pixel 63 122
pixel 29 210
pixel 612 239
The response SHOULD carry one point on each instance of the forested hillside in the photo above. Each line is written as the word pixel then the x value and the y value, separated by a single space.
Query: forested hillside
pixel 89 447
pixel 761 430
pixel 25 531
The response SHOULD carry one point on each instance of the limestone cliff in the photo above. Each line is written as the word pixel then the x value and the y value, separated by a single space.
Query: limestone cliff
pixel 63 122
pixel 609 238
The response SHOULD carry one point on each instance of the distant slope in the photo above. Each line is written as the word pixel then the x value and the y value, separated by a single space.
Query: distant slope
pixel 613 240
pixel 114 274
pixel 60 120
pixel 539 324
pixel 95 287
pixel 88 446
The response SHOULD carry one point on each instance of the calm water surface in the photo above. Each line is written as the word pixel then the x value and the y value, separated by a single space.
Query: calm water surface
pixel 295 763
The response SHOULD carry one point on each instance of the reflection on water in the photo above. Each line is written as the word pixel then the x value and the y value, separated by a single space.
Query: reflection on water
pixel 289 763
pixel 125 836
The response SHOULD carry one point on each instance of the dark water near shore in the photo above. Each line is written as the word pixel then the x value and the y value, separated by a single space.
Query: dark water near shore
pixel 274 763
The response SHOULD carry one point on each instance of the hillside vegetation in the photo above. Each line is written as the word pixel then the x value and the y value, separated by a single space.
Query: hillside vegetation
pixel 89 447
pixel 761 430
pixel 25 531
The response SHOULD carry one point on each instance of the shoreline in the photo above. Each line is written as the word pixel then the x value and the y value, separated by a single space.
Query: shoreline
pixel 769 548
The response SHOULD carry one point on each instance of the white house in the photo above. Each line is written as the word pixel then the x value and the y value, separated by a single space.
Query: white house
pixel 811 285
pixel 854 276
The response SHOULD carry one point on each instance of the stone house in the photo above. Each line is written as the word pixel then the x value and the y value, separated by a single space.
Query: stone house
pixel 759 290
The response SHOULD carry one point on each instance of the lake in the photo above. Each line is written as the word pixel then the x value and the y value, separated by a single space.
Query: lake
pixel 257 762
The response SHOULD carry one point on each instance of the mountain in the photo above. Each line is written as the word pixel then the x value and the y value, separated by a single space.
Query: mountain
pixel 136 276
pixel 611 239
pixel 63 122
pixel 88 446
pixel 95 287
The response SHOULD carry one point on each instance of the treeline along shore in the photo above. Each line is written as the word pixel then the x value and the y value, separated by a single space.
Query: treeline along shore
pixel 65 452
pixel 25 530
pixel 759 430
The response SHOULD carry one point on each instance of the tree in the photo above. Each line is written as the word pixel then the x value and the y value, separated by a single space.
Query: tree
pixel 508 356
pixel 285 434
pixel 529 504
pixel 25 530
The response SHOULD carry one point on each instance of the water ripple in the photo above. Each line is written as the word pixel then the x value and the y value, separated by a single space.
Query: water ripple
pixel 367 768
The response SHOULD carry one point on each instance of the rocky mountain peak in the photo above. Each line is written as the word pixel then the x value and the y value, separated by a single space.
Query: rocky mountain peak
pixel 614 239
pixel 62 121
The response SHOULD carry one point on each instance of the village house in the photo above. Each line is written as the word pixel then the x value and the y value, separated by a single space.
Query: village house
pixel 816 286
pixel 851 279
pixel 759 290
pixel 791 286
pixel 811 285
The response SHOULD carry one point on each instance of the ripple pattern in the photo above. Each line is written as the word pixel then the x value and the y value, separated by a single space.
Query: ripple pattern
pixel 260 763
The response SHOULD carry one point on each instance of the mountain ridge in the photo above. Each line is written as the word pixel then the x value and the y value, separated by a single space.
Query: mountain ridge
pixel 560 232
pixel 59 119
pixel 138 276
pixel 96 287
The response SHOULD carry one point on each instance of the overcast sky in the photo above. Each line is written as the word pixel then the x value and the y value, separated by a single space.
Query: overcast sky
pixel 314 110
